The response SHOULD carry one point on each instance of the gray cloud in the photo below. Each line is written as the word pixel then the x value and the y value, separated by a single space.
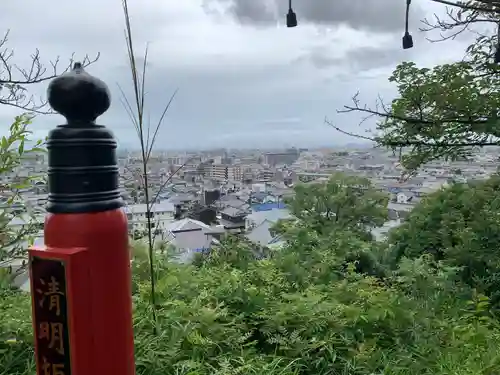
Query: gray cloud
pixel 238 86
pixel 359 59
pixel 372 15
pixel 374 58
pixel 385 54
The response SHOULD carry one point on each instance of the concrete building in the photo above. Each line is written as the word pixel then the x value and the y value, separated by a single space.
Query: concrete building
pixel 162 215
pixel 226 171
pixel 279 158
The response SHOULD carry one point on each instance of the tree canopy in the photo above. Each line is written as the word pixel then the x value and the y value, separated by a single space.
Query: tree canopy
pixel 459 226
pixel 343 202
pixel 446 111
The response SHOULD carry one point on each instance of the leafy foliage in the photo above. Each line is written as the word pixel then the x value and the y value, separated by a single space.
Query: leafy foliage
pixel 343 202
pixel 16 337
pixel 15 148
pixel 441 112
pixel 224 320
pixel 460 226
pixel 447 111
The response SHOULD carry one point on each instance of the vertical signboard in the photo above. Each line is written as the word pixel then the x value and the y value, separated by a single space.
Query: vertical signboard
pixel 50 307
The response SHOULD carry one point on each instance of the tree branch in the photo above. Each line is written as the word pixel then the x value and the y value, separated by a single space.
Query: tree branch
pixel 14 78
pixel 409 120
pixel 468 6
pixel 462 15
pixel 379 141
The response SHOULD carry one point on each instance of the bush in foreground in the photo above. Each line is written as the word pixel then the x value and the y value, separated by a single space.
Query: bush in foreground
pixel 258 317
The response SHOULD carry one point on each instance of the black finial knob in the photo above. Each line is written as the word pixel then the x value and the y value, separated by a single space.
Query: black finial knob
pixel 78 96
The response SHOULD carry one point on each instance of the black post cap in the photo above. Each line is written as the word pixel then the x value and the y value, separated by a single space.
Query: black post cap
pixel 83 170
pixel 78 96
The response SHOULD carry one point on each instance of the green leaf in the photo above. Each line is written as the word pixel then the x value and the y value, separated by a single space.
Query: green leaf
pixel 21 147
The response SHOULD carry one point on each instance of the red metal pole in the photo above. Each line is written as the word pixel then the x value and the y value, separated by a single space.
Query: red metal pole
pixel 81 282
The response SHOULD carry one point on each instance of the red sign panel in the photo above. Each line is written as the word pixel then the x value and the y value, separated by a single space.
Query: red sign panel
pixel 50 316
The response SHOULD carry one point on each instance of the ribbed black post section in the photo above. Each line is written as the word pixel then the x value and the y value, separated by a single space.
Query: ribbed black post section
pixel 83 171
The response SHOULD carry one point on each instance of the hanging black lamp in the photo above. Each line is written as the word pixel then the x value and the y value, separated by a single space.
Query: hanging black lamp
pixel 407 38
pixel 291 17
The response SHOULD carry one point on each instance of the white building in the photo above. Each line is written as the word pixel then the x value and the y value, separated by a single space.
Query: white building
pixel 220 171
pixel 162 215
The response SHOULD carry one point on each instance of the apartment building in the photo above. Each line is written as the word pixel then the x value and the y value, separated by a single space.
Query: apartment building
pixel 279 158
pixel 226 172
pixel 162 214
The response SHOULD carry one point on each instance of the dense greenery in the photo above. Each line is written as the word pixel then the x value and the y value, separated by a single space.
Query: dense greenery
pixel 459 226
pixel 307 308
pixel 336 204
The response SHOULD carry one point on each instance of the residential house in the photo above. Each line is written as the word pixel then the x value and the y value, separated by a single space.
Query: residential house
pixel 261 235
pixel 162 214
pixel 189 237
pixel 255 219
pixel 233 219
pixel 405 197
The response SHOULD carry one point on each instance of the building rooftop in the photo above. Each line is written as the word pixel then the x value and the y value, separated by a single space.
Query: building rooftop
pixel 164 206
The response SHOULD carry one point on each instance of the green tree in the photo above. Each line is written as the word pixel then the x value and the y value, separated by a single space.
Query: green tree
pixel 15 148
pixel 232 251
pixel 450 110
pixel 343 202
pixel 443 112
pixel 460 226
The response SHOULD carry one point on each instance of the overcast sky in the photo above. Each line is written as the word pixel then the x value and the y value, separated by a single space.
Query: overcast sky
pixel 244 79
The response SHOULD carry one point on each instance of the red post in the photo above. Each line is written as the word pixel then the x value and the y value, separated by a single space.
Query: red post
pixel 80 280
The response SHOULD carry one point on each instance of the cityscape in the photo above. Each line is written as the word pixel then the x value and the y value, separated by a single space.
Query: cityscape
pixel 199 197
